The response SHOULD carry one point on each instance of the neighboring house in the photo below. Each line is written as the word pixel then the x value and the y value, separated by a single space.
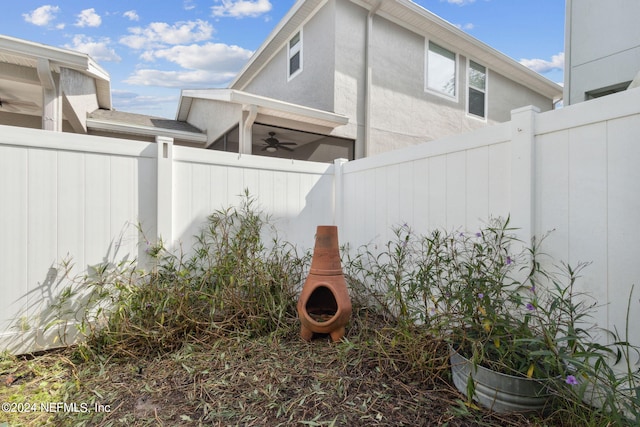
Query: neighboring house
pixel 602 53
pixel 395 72
pixel 334 79
pixel 44 87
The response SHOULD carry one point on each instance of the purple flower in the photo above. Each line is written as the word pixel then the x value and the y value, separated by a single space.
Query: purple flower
pixel 530 306
pixel 478 234
pixel 480 295
pixel 509 260
pixel 533 288
pixel 571 380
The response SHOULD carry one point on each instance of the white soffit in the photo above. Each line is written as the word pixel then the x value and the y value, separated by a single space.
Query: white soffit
pixel 266 106
pixel 25 53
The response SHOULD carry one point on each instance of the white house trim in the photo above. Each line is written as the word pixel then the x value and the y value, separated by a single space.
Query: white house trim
pixel 26 53
pixel 265 106
pixel 299 14
pixel 408 15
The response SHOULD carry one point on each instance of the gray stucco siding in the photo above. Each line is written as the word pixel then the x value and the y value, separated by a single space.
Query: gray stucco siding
pixel 314 85
pixel 506 95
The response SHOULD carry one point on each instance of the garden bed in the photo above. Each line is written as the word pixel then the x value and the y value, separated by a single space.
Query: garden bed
pixel 378 376
pixel 213 338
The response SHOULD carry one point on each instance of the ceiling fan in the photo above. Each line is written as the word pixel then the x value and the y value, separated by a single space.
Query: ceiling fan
pixel 273 144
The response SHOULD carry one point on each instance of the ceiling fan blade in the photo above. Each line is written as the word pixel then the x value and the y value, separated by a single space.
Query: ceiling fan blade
pixel 288 143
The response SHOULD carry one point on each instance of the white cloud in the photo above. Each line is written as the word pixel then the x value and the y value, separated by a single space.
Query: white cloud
pixel 466 27
pixel 543 65
pixel 217 57
pixel 160 34
pixel 132 15
pixel 179 79
pixel 460 2
pixel 210 64
pixel 131 101
pixel 88 18
pixel 241 8
pixel 42 16
pixel 97 49
pixel 199 64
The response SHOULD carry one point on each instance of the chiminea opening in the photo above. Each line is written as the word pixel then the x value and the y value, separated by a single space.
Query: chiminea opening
pixel 322 305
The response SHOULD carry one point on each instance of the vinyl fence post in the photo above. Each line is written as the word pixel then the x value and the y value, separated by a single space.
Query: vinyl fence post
pixel 522 172
pixel 338 192
pixel 164 201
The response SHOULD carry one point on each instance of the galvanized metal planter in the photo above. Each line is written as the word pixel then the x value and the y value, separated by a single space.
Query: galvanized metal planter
pixel 497 391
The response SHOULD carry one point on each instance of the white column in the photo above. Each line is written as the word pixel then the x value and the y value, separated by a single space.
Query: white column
pixel 249 113
pixel 51 99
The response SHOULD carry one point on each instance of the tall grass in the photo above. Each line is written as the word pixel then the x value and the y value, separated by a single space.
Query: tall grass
pixel 231 283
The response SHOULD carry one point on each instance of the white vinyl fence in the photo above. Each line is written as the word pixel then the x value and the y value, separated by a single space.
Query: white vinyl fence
pixel 87 200
pixel 573 172
pixel 84 198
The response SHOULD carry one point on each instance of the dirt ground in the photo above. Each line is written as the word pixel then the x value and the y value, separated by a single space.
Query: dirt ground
pixel 376 377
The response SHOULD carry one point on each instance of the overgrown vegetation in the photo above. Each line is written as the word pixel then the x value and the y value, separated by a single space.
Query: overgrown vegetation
pixel 231 283
pixel 509 310
pixel 212 338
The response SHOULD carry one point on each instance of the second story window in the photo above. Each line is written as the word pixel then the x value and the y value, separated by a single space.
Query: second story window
pixel 477 89
pixel 295 55
pixel 441 70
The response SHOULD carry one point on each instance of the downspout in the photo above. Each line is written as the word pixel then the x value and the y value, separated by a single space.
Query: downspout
pixel 245 146
pixel 568 37
pixel 367 79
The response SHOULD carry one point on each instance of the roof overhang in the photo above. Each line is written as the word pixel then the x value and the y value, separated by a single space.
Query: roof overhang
pixel 422 21
pixel 413 17
pixel 265 106
pixel 23 53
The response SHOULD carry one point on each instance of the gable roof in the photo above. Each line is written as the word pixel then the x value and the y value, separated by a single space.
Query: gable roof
pixel 409 15
pixel 21 58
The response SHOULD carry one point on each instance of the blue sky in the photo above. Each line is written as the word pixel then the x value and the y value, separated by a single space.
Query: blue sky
pixel 152 49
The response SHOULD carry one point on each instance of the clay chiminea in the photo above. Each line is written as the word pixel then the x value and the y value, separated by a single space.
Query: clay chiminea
pixel 324 306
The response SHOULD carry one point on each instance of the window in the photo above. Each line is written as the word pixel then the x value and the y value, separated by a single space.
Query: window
pixel 441 70
pixel 477 89
pixel 606 91
pixel 295 55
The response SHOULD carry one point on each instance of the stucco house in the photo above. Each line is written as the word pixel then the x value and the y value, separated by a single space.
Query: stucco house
pixel 334 79
pixel 382 74
pixel 596 65
pixel 45 87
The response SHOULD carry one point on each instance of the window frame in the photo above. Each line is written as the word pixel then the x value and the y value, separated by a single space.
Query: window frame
pixel 456 79
pixel 296 49
pixel 484 91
